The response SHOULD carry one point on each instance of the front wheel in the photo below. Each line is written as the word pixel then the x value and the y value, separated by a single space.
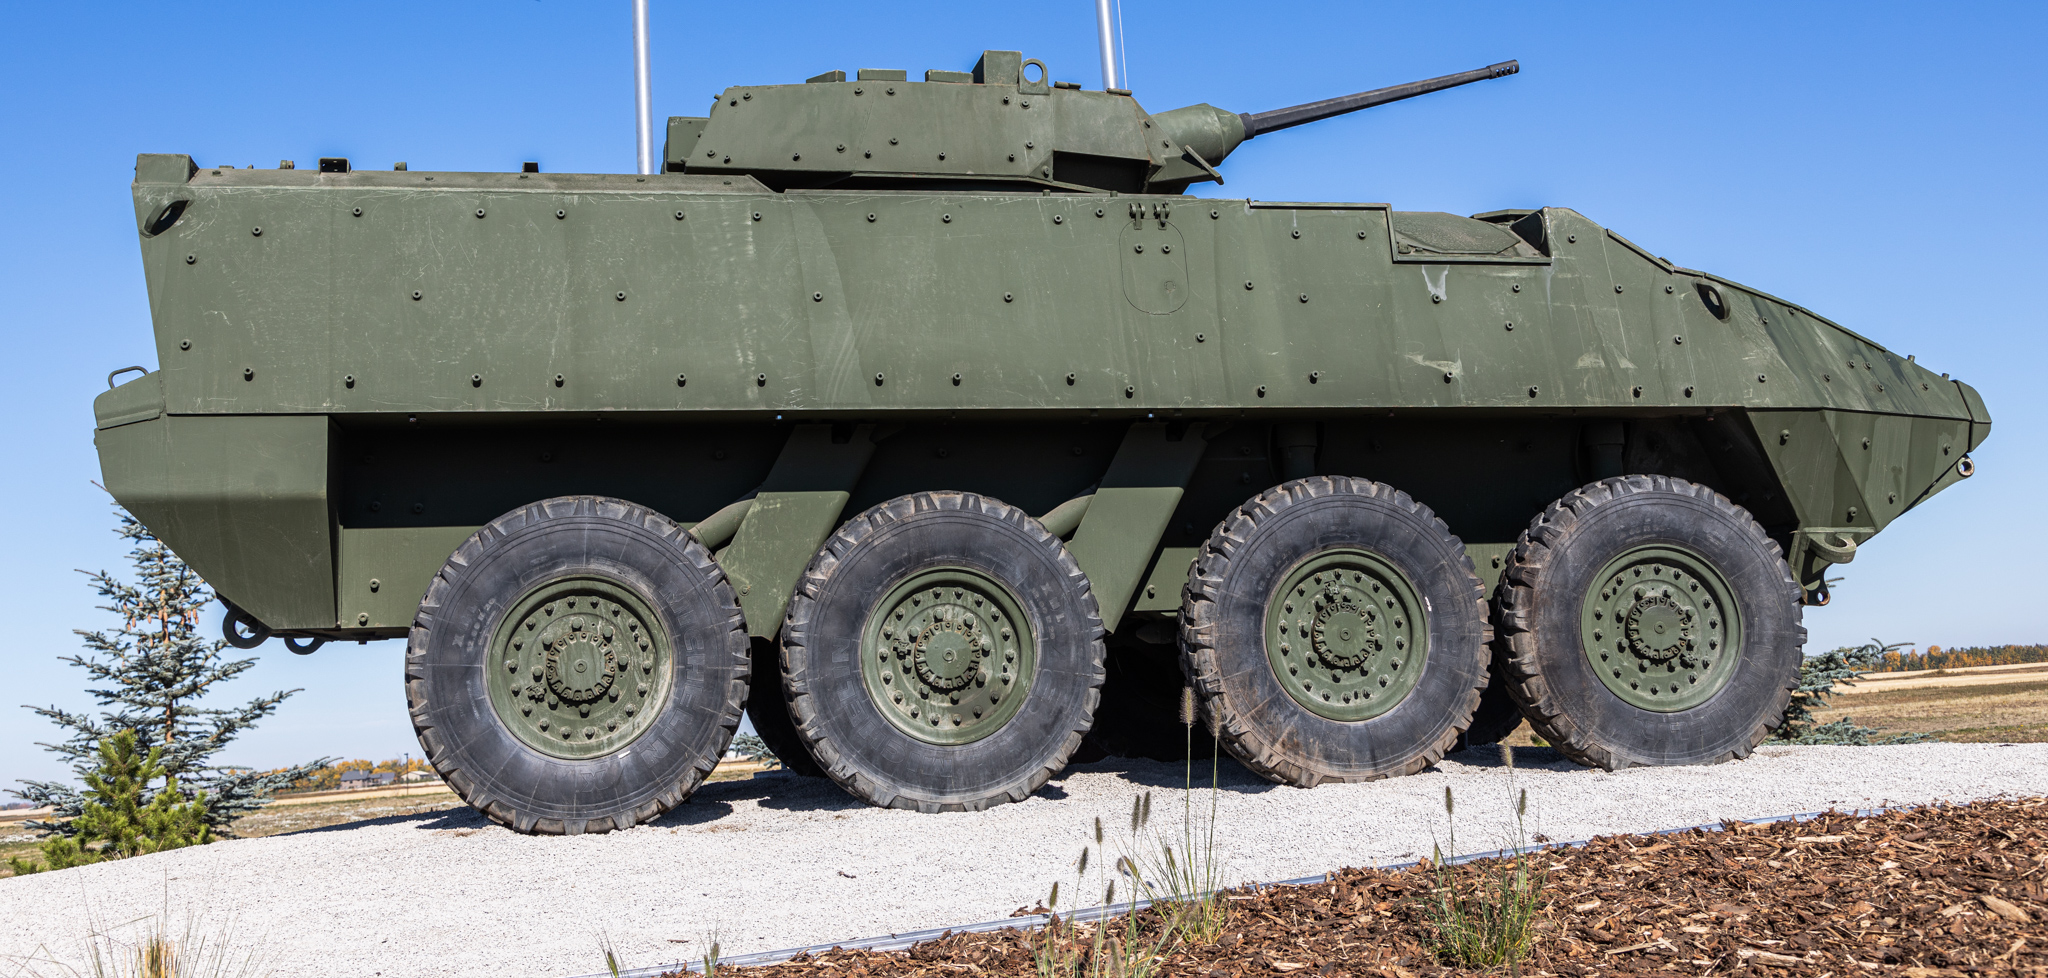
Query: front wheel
pixel 578 665
pixel 1649 621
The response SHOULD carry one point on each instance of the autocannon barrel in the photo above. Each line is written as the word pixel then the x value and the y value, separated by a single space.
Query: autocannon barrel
pixel 1256 123
pixel 1208 133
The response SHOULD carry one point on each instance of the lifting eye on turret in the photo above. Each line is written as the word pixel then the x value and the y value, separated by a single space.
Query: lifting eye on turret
pixel 164 217
pixel 1711 297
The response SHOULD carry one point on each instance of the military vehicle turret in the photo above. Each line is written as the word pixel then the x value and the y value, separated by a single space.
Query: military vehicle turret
pixel 934 425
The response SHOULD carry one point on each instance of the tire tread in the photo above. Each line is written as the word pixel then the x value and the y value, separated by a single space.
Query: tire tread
pixel 442 755
pixel 1515 600
pixel 797 627
pixel 1203 663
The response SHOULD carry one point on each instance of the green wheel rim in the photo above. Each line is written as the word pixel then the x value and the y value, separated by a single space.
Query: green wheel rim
pixel 1346 635
pixel 1661 628
pixel 948 656
pixel 579 667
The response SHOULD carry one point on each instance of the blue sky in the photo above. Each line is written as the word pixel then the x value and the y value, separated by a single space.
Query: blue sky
pixel 1878 163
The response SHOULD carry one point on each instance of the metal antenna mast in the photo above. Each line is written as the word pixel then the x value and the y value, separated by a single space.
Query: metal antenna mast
pixel 643 98
pixel 1108 40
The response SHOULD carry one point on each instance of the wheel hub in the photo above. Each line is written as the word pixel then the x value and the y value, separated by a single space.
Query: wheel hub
pixel 1661 629
pixel 1345 635
pixel 947 656
pixel 578 668
pixel 948 651
pixel 581 661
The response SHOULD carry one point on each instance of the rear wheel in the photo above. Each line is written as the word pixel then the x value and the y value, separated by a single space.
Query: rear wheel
pixel 1650 621
pixel 577 666
pixel 1334 631
pixel 942 652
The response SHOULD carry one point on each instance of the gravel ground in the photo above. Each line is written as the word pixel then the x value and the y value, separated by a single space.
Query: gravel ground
pixel 779 861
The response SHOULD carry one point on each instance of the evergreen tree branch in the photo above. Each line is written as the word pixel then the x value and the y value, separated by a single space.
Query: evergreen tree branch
pixel 150 677
pixel 1818 677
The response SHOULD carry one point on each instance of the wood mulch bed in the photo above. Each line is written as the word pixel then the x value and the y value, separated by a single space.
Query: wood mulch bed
pixel 1941 891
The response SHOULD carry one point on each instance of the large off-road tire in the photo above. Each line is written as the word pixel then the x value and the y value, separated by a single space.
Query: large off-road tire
pixel 1496 717
pixel 769 711
pixel 1334 631
pixel 942 652
pixel 1650 621
pixel 578 665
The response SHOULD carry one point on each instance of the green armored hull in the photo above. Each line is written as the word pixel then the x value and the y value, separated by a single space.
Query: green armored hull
pixel 933 421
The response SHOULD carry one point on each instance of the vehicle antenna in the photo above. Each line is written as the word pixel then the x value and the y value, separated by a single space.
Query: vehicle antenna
pixel 1107 40
pixel 1123 54
pixel 643 99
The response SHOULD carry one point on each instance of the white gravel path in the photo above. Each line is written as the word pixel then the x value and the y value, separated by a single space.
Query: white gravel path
pixel 780 861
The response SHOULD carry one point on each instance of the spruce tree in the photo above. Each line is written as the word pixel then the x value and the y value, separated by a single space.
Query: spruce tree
pixel 149 676
pixel 1818 677
pixel 115 823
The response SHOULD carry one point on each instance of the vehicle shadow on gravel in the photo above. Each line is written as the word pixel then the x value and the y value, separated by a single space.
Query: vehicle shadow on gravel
pixel 1234 777
pixel 777 790
pixel 789 792
pixel 794 793
pixel 1536 758
pixel 459 817
pixel 1141 773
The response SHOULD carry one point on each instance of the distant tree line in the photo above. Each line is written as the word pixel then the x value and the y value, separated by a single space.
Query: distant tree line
pixel 1936 657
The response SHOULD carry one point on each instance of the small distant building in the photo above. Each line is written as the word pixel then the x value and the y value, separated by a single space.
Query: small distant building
pixel 367 779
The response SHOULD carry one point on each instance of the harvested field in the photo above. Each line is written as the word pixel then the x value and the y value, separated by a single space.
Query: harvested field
pixel 1965 676
pixel 285 815
pixel 346 794
pixel 779 861
pixel 16 843
pixel 299 815
pixel 1978 705
pixel 1974 709
pixel 1942 891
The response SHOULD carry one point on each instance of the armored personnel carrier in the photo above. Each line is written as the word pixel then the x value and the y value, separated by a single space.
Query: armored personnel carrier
pixel 932 423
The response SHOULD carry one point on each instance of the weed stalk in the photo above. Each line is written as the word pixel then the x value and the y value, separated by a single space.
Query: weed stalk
pixel 1113 945
pixel 710 960
pixel 1185 880
pixel 1487 923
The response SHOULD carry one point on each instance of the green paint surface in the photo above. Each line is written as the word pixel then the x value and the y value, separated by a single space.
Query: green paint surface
pixel 579 667
pixel 773 546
